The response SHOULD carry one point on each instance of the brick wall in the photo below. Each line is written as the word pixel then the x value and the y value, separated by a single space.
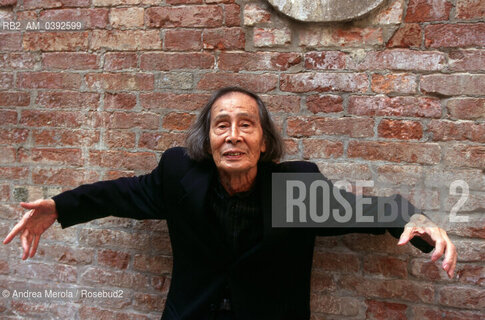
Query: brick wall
pixel 396 97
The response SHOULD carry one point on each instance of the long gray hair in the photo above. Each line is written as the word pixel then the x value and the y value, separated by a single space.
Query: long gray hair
pixel 197 141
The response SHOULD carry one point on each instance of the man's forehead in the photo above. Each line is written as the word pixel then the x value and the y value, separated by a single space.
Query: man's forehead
pixel 235 102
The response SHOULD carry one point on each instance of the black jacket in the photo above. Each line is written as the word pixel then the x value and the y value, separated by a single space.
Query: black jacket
pixel 269 281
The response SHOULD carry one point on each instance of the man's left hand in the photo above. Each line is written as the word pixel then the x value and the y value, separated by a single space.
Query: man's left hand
pixel 421 226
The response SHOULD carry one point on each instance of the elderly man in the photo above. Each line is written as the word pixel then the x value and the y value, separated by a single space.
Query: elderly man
pixel 229 263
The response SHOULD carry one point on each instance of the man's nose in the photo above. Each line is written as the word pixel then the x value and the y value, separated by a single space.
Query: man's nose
pixel 233 135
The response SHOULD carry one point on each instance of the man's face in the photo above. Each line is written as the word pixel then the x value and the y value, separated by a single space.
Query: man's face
pixel 236 136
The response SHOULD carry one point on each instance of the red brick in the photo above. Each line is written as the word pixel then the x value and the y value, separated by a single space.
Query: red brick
pixel 11 41
pixel 55 309
pixel 424 153
pixel 68 100
pixel 271 37
pixel 471 298
pixel 6 80
pixel 291 147
pixel 466 108
pixel 385 265
pixel 470 9
pixel 381 310
pixel 178 121
pixel 255 13
pixel 63 177
pixel 184 1
pixel 119 139
pixel 7 154
pixel 472 274
pixel 340 262
pixel 18 61
pixel 14 99
pixel 41 118
pixel 153 264
pixel 123 160
pixel 325 60
pixel 328 304
pixel 395 106
pixel 324 103
pixel 113 259
pixel 162 101
pixel 42 4
pixel 427 270
pixel 8 116
pixel 192 40
pixel 453 84
pixel 232 15
pixel 281 103
pixel 42 271
pixel 465 156
pixel 399 175
pixel 95 313
pixel 140 241
pixel 467 60
pixel 389 289
pixel 65 254
pixel 48 80
pixel 428 10
pixel 254 82
pixel 402 59
pixel 55 41
pixel 69 157
pixel 393 83
pixel 430 313
pixel 209 16
pixel 450 130
pixel 126 40
pixel 316 36
pixel 126 17
pixel 322 281
pixel 172 61
pixel 6 3
pixel 324 82
pixel 318 148
pixel 123 279
pixel 90 18
pixel 14 173
pixel 148 302
pixel 455 35
pixel 407 36
pixel 120 60
pixel 128 120
pixel 400 129
pixel 120 100
pixel 224 39
pixel 315 126
pixel 13 136
pixel 161 141
pixel 249 61
pixel 70 60
pixel 120 81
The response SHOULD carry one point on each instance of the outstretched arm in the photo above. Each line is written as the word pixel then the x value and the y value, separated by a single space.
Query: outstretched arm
pixel 38 219
pixel 421 226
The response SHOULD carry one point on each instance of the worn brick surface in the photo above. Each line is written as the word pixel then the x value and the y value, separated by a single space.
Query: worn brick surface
pixel 396 97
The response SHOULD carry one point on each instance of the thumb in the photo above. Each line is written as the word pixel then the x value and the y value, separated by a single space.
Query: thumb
pixel 31 205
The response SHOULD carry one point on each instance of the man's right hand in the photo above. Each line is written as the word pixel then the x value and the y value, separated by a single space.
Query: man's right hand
pixel 41 215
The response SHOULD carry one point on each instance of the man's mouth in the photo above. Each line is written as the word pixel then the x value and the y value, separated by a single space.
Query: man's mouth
pixel 233 153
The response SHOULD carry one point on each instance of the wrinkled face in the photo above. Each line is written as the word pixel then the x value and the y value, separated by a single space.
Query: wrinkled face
pixel 236 135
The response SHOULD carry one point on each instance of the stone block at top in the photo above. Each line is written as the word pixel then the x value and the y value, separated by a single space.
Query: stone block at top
pixel 325 10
